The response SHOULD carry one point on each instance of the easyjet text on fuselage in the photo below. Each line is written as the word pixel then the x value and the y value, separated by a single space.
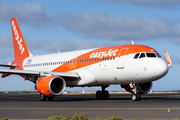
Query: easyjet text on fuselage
pixel 102 54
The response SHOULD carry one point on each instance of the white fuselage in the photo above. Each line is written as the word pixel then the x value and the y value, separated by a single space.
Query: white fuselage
pixel 118 70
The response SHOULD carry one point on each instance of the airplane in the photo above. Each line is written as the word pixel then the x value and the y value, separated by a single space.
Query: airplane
pixel 132 66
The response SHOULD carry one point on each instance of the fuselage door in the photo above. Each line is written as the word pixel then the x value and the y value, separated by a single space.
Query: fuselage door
pixel 72 63
pixel 120 59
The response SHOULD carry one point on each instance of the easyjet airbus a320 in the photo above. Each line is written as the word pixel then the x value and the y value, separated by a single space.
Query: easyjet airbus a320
pixel 135 67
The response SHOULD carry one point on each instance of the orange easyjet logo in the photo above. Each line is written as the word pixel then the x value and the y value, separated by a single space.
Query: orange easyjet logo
pixel 102 54
pixel 17 38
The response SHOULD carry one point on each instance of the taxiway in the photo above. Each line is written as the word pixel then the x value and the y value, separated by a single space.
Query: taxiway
pixel 151 106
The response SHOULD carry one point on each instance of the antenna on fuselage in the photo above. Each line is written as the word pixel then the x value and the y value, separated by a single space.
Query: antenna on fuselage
pixel 132 42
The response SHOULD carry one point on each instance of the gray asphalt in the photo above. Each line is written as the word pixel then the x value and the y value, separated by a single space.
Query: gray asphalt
pixel 151 106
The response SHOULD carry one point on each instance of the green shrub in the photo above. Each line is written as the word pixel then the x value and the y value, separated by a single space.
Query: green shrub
pixel 61 117
pixel 4 118
pixel 99 118
pixel 135 119
pixel 75 117
pixel 80 117
pixel 114 118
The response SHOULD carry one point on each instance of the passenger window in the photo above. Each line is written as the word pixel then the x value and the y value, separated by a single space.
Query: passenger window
pixel 150 55
pixel 158 55
pixel 136 56
pixel 142 55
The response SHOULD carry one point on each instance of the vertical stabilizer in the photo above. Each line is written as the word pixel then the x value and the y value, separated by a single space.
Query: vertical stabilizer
pixel 20 48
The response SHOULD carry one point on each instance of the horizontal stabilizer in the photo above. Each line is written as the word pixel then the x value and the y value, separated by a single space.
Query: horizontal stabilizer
pixel 10 66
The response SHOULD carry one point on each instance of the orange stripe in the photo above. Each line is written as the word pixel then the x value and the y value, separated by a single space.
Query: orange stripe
pixel 101 53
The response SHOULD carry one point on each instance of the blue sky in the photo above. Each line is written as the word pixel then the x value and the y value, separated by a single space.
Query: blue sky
pixel 65 25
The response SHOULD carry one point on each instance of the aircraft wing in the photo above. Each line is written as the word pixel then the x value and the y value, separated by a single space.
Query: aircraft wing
pixel 19 72
pixel 40 73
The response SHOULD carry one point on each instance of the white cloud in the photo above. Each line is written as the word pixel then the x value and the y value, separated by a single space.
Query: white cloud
pixel 112 27
pixel 150 3
pixel 32 13
pixel 90 25
pixel 64 45
pixel 50 45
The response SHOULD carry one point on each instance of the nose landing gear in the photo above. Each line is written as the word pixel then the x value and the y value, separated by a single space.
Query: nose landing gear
pixel 135 96
pixel 104 94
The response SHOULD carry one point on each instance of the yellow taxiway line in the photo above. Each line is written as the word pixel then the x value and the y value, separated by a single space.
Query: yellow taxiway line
pixel 88 108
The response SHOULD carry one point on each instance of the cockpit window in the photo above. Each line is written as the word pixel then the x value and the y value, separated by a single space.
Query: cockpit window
pixel 136 56
pixel 142 55
pixel 150 55
pixel 158 55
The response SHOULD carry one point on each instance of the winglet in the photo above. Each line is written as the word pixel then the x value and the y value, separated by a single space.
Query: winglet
pixel 168 60
pixel 20 48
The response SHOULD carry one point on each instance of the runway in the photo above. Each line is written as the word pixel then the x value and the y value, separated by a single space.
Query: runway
pixel 151 106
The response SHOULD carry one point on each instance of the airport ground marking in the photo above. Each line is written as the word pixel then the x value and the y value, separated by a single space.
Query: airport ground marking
pixel 88 108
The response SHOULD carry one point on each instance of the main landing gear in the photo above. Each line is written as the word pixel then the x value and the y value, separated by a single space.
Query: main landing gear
pixel 43 98
pixel 104 94
pixel 135 96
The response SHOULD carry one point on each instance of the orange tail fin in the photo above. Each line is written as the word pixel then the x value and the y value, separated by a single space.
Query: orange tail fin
pixel 20 48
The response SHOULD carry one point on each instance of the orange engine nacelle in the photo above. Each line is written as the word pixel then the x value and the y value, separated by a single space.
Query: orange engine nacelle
pixel 142 88
pixel 51 85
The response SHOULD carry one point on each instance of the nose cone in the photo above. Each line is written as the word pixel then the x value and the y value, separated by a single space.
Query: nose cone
pixel 161 68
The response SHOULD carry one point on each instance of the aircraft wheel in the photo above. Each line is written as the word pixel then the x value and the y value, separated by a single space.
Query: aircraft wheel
pixel 50 98
pixel 136 97
pixel 42 97
pixel 105 95
pixel 99 95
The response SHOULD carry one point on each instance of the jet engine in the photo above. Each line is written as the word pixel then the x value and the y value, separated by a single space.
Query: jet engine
pixel 142 88
pixel 51 86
